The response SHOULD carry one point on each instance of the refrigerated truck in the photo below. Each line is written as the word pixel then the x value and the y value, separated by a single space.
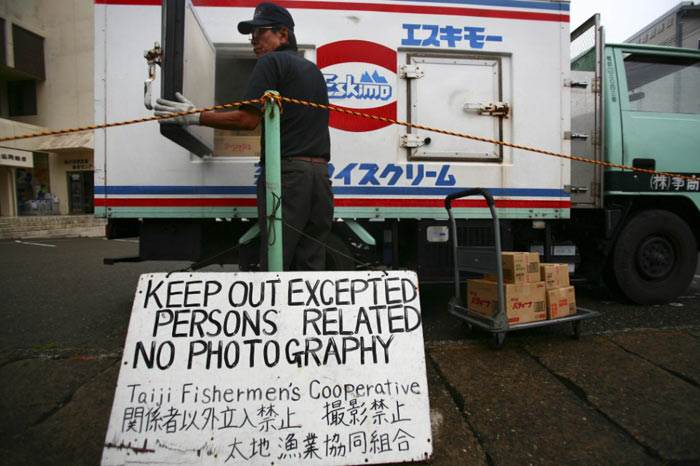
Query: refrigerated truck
pixel 497 69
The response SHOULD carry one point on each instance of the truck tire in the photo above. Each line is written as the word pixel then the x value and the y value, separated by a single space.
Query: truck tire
pixel 655 257
pixel 338 255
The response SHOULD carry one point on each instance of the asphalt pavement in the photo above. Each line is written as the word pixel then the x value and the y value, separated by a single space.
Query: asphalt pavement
pixel 627 392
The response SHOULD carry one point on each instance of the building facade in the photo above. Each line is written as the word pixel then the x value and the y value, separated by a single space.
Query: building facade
pixel 679 27
pixel 46 83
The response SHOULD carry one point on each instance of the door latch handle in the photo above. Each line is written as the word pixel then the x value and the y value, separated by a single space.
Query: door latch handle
pixel 489 109
pixel 152 57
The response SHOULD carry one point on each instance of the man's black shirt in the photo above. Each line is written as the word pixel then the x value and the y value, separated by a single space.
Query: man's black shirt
pixel 304 130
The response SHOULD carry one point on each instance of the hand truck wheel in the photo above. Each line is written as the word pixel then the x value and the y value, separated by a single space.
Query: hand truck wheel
pixel 467 327
pixel 497 340
pixel 576 327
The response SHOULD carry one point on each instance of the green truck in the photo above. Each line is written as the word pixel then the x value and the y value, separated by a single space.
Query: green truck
pixel 637 106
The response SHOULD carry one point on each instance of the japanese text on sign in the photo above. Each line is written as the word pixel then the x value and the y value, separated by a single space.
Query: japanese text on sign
pixel 372 174
pixel 434 35
pixel 667 183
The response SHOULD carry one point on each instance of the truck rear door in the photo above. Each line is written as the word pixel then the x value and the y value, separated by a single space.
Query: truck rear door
pixel 460 92
pixel 188 65
pixel 586 114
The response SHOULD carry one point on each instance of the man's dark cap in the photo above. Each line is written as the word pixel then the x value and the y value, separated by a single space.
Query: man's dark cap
pixel 267 14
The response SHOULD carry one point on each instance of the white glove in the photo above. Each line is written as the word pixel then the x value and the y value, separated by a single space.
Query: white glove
pixel 167 107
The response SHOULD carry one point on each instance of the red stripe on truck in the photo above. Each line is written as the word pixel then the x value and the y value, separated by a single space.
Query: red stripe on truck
pixel 355 6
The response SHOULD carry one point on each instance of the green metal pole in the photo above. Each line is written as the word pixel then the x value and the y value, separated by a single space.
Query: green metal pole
pixel 273 184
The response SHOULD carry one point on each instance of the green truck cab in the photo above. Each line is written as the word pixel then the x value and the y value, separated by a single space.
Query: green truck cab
pixel 645 114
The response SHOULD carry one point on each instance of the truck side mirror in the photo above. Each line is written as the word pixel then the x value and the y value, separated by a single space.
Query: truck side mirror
pixel 635 96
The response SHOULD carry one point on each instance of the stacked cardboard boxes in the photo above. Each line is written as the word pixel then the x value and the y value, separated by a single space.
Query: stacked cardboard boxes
pixel 524 292
pixel 561 297
pixel 532 291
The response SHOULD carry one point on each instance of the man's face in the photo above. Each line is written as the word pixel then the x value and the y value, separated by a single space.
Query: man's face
pixel 267 39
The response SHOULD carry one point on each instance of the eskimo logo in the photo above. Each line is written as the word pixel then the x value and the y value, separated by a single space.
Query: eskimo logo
pixel 360 76
pixel 371 87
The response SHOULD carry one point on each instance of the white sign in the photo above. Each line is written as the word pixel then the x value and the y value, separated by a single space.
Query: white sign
pixel 16 158
pixel 272 368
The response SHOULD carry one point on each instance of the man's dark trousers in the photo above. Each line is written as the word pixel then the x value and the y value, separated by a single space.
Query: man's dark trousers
pixel 307 205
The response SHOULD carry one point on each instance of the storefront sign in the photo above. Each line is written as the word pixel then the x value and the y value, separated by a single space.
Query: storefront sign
pixel 16 158
pixel 79 164
pixel 272 368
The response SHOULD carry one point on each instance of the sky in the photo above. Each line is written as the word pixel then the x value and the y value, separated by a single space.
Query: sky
pixel 620 18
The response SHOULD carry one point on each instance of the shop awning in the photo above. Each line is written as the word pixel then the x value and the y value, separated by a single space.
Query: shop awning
pixel 83 141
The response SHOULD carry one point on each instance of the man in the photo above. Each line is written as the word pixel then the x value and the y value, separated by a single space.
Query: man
pixel 307 197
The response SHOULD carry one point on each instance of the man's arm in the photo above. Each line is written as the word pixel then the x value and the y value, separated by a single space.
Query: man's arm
pixel 247 118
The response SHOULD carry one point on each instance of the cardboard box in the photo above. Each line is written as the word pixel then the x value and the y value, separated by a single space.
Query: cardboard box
pixel 561 302
pixel 227 144
pixel 518 267
pixel 525 302
pixel 554 275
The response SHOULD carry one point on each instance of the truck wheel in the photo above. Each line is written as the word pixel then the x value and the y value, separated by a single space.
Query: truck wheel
pixel 655 257
pixel 338 255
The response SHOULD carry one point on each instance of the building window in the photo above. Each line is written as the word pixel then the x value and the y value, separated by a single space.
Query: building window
pixel 21 98
pixel 33 188
pixel 29 52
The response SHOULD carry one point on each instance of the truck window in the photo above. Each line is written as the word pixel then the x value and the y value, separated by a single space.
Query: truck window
pixel 663 84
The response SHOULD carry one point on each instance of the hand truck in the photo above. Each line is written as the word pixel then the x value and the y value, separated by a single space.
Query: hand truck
pixel 487 260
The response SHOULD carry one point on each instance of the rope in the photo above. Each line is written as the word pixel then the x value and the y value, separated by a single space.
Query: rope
pixel 480 139
pixel 279 99
pixel 276 205
pixel 262 100
pixel 271 238
pixel 204 262
pixel 209 260
pixel 329 248
pixel 272 97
